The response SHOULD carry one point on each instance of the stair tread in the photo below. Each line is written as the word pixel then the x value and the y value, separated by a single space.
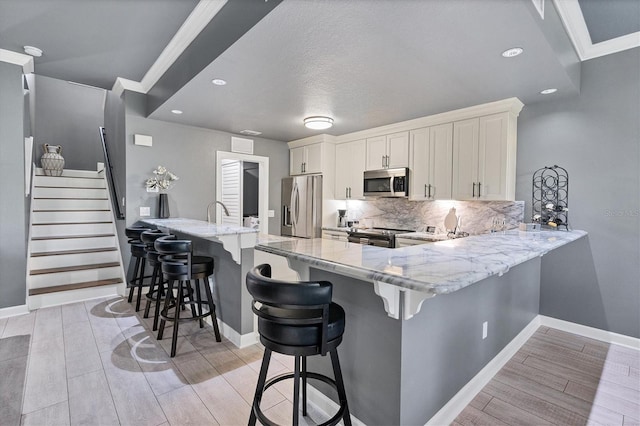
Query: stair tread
pixel 74 286
pixel 73 268
pixel 65 237
pixel 79 251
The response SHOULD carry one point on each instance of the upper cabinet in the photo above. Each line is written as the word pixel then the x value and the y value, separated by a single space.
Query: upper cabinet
pixel 350 165
pixel 388 152
pixel 431 161
pixel 305 159
pixel 484 158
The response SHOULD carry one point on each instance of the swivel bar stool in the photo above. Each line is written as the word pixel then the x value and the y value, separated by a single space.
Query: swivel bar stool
pixel 157 287
pixel 298 319
pixel 179 265
pixel 137 251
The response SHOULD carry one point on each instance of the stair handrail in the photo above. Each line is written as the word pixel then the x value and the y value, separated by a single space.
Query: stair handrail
pixel 115 199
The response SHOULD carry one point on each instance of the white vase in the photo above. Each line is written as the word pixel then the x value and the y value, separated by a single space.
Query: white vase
pixel 52 161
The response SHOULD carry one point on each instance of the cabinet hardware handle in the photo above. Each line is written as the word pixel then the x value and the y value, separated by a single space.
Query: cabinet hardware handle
pixel 478 189
pixel 349 192
pixel 473 194
pixel 425 190
pixel 429 190
pixel 346 192
pixel 387 161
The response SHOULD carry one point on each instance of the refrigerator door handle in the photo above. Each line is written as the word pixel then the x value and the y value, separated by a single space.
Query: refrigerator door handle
pixel 295 205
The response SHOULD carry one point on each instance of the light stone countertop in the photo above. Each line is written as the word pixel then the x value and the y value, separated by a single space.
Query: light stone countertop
pixel 199 228
pixel 439 268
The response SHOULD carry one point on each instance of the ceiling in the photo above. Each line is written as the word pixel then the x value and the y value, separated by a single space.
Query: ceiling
pixel 366 63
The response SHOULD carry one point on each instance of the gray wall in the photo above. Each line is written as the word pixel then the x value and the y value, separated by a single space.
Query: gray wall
pixel 69 115
pixel 13 205
pixel 595 136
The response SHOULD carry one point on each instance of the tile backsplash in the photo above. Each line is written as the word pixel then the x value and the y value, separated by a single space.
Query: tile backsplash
pixel 475 216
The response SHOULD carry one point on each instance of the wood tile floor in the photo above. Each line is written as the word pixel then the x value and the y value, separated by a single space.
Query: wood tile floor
pixel 558 378
pixel 97 363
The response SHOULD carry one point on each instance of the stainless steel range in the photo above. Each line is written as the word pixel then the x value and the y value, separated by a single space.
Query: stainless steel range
pixel 380 237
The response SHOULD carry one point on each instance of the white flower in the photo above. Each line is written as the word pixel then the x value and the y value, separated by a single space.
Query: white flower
pixel 162 179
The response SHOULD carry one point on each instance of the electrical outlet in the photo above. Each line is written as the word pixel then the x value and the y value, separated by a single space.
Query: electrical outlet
pixel 485 329
pixel 145 211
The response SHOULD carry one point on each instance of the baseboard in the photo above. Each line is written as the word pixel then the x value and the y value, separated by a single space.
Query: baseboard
pixel 72 296
pixel 325 404
pixel 591 332
pixel 448 413
pixel 13 311
pixel 240 340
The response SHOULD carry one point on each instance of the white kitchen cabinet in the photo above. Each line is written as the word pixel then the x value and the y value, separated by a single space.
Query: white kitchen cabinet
pixel 484 157
pixel 388 152
pixel 305 159
pixel 407 242
pixel 431 162
pixel 335 235
pixel 350 164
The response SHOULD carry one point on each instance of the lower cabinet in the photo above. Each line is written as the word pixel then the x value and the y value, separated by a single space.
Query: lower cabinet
pixel 335 235
pixel 406 242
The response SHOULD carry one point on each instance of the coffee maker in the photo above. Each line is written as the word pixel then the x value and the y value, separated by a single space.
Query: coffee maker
pixel 342 218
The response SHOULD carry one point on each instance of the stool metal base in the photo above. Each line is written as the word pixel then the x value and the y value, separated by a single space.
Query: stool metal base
pixel 300 373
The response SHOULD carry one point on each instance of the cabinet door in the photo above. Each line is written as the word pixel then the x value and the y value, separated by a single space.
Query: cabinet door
pixel 493 157
pixel 296 160
pixel 313 158
pixel 440 162
pixel 398 150
pixel 356 165
pixel 465 159
pixel 419 175
pixel 376 153
pixel 343 171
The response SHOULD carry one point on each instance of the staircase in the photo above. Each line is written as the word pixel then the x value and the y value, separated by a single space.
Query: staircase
pixel 73 252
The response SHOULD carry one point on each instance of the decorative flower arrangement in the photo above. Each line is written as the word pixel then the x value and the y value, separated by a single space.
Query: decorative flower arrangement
pixel 162 179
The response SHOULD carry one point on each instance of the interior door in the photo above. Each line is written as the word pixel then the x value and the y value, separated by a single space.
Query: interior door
pixel 231 194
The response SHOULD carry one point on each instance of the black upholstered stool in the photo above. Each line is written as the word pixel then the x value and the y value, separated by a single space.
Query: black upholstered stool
pixel 158 285
pixel 298 319
pixel 138 253
pixel 181 267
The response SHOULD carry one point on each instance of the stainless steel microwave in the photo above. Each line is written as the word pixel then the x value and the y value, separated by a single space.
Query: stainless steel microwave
pixel 386 183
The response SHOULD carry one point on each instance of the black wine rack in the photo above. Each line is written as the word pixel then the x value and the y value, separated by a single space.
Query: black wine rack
pixel 550 198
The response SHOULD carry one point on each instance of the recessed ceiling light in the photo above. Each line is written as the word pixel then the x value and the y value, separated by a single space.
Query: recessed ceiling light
pixel 218 82
pixel 548 91
pixel 33 51
pixel 250 132
pixel 318 122
pixel 176 111
pixel 514 51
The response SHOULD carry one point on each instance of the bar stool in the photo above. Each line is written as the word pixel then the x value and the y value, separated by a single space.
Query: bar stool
pixel 137 251
pixel 179 265
pixel 157 287
pixel 298 319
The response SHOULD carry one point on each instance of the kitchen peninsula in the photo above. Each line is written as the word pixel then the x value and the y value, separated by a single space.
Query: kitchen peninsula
pixel 405 352
pixel 232 250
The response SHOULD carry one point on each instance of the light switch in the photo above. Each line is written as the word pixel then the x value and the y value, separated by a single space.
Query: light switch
pixel 145 211
pixel 271 213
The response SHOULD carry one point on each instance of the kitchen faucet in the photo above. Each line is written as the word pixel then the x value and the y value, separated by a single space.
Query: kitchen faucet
pixel 226 211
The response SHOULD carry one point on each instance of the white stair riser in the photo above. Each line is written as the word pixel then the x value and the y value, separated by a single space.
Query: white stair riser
pixel 72 277
pixel 69 193
pixel 39 246
pixel 78 259
pixel 71 217
pixel 71 296
pixel 72 173
pixel 63 230
pixel 70 205
pixel 68 182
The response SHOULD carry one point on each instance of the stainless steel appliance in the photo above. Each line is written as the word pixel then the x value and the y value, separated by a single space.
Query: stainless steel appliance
pixel 302 206
pixel 342 218
pixel 380 237
pixel 387 183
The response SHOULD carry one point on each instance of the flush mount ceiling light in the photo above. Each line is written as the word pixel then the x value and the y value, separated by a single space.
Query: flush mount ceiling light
pixel 318 122
pixel 548 91
pixel 176 111
pixel 514 51
pixel 218 82
pixel 33 51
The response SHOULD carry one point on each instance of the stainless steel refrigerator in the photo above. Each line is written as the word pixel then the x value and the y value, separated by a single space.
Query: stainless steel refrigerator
pixel 302 206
